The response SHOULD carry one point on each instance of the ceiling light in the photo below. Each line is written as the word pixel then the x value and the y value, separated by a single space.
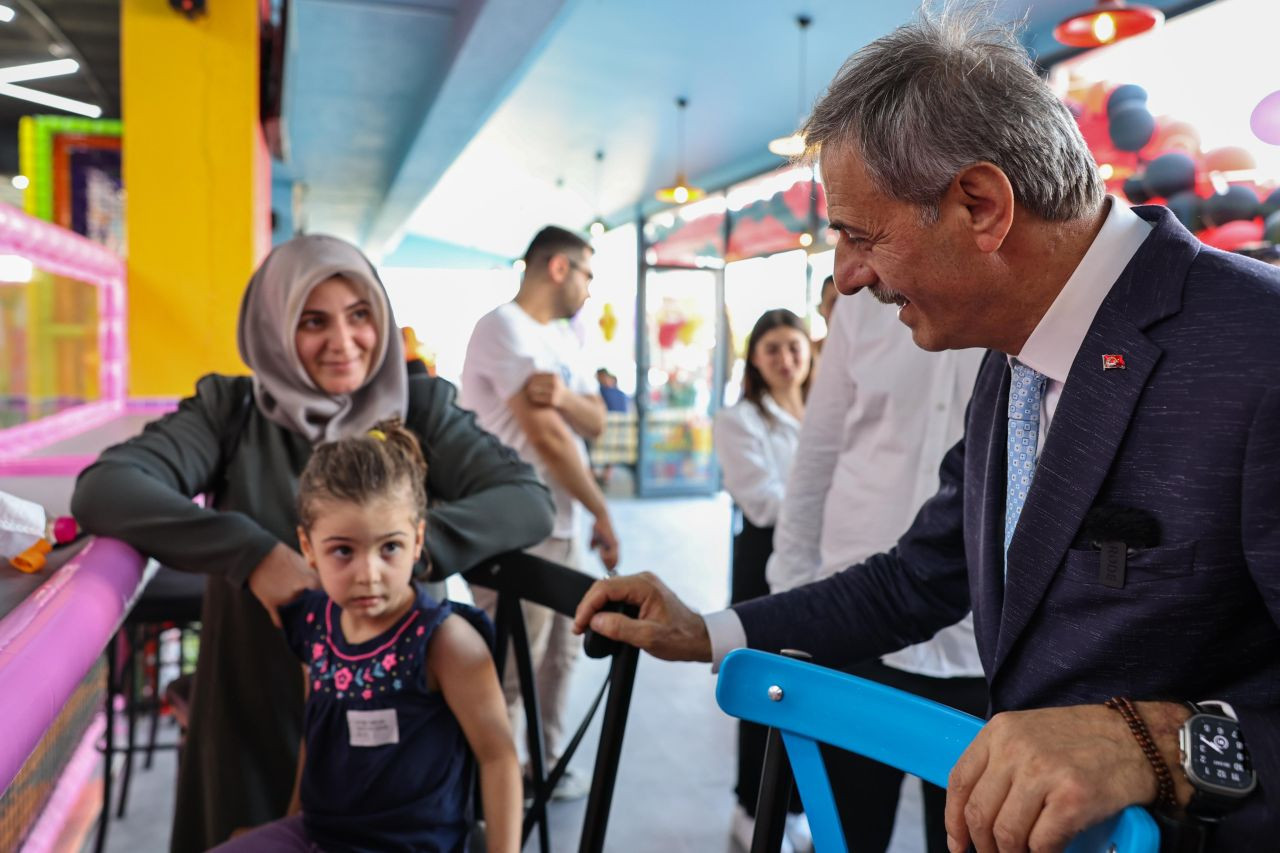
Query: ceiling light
pixel 38 70
pixel 806 240
pixel 680 191
pixel 518 265
pixel 1108 22
pixel 15 269
pixel 6 14
pixel 20 182
pixel 55 101
pixel 597 226
pixel 793 145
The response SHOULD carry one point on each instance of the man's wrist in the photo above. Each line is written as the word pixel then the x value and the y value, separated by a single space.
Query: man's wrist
pixel 1165 719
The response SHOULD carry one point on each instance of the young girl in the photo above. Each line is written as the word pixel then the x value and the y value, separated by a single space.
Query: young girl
pixel 402 688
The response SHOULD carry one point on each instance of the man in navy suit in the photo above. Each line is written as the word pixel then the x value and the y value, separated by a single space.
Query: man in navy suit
pixel 1112 514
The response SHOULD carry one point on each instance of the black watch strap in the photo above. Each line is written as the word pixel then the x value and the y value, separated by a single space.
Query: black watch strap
pixel 1183 834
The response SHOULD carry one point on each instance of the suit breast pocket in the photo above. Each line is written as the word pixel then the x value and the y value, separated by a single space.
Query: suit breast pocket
pixel 1144 566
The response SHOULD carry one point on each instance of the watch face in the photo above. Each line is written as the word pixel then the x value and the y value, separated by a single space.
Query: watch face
pixel 1217 755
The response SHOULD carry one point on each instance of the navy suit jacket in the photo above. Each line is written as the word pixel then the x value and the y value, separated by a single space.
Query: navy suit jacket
pixel 1190 432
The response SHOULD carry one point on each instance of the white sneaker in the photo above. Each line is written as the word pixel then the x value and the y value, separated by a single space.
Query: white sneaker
pixel 573 785
pixel 742 828
pixel 798 832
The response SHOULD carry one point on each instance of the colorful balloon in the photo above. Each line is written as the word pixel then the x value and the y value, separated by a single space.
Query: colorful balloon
pixel 1169 174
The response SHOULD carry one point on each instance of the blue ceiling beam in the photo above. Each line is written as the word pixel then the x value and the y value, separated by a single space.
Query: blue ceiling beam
pixel 495 42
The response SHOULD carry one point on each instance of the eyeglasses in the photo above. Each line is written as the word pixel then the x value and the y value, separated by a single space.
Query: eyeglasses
pixel 582 268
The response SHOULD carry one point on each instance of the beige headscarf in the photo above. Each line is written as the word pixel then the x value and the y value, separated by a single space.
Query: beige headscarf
pixel 269 316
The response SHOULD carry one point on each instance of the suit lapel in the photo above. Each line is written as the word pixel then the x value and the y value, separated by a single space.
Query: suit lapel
pixel 1090 421
pixel 988 435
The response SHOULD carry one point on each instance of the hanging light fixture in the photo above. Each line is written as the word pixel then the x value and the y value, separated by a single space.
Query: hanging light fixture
pixel 1107 23
pixel 792 145
pixel 597 226
pixel 680 191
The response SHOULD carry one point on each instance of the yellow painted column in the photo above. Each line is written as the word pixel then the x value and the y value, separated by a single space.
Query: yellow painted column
pixel 197 178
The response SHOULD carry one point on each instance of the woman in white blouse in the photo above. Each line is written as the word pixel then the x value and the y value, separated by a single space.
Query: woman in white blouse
pixel 755 440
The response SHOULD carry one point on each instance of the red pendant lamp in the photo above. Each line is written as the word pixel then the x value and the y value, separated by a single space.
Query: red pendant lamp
pixel 1107 23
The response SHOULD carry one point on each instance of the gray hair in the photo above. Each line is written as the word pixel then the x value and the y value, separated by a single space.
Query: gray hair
pixel 949 89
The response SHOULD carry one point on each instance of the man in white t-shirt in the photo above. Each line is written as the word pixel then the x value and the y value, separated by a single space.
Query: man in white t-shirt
pixel 524 377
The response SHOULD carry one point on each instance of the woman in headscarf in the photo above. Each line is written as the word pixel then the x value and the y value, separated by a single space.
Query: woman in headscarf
pixel 317 330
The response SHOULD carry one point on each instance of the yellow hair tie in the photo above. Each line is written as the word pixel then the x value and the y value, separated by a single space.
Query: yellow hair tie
pixel 378 434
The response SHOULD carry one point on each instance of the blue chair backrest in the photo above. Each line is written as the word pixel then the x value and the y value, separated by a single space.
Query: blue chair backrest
pixel 915 735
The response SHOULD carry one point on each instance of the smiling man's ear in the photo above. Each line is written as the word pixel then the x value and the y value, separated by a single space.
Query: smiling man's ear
pixel 983 197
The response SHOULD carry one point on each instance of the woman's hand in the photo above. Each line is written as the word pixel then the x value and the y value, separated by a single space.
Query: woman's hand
pixel 282 576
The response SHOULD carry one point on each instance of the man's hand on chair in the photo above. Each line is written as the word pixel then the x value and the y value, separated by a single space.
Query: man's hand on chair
pixel 1036 779
pixel 665 627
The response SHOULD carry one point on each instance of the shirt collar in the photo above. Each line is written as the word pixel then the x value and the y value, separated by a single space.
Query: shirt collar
pixel 780 414
pixel 1056 339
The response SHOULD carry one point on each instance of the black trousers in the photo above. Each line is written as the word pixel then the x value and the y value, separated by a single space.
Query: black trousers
pixel 751 550
pixel 866 791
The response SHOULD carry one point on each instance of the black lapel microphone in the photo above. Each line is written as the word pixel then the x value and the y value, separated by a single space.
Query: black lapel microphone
pixel 1117 532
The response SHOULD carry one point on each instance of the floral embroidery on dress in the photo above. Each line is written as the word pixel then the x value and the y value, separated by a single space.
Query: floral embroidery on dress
pixel 360 676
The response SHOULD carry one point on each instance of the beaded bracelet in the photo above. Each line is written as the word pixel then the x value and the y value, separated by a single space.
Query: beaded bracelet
pixel 1165 797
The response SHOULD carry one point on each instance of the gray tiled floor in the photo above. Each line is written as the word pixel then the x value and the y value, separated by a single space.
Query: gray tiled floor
pixel 674 786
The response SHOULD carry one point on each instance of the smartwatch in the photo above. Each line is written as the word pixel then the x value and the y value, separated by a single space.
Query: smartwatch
pixel 1216 760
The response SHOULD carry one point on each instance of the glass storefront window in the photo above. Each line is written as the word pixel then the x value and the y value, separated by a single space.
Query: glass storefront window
pixel 752 287
pixel 680 386
pixel 607 322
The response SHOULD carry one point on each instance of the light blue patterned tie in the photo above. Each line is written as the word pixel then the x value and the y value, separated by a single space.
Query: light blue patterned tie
pixel 1026 389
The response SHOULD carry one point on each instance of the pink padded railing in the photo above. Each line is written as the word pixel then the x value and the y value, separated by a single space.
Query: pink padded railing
pixel 49 642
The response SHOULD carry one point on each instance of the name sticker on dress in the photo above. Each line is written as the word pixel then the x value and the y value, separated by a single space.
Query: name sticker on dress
pixel 373 728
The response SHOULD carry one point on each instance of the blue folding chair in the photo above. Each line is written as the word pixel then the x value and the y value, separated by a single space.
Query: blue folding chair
pixel 809 704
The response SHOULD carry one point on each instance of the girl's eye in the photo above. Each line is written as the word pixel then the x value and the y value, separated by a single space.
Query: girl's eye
pixel 341 551
pixel 361 315
pixel 392 547
pixel 311 324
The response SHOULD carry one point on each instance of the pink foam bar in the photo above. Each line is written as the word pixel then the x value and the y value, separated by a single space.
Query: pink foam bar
pixel 46 466
pixel 23 439
pixel 80 772
pixel 49 642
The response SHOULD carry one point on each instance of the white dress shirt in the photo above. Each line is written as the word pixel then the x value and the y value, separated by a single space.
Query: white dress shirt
pixel 1050 349
pixel 1054 342
pixel 881 415
pixel 755 456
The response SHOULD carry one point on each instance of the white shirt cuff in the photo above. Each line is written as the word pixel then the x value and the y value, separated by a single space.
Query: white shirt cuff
pixel 726 633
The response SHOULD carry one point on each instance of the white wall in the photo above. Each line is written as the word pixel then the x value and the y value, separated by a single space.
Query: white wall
pixel 443 306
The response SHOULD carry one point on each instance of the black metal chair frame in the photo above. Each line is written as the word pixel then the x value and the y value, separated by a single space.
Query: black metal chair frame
pixel 517 577
pixel 143 625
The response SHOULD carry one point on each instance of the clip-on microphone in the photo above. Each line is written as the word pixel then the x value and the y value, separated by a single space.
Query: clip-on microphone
pixel 1117 532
